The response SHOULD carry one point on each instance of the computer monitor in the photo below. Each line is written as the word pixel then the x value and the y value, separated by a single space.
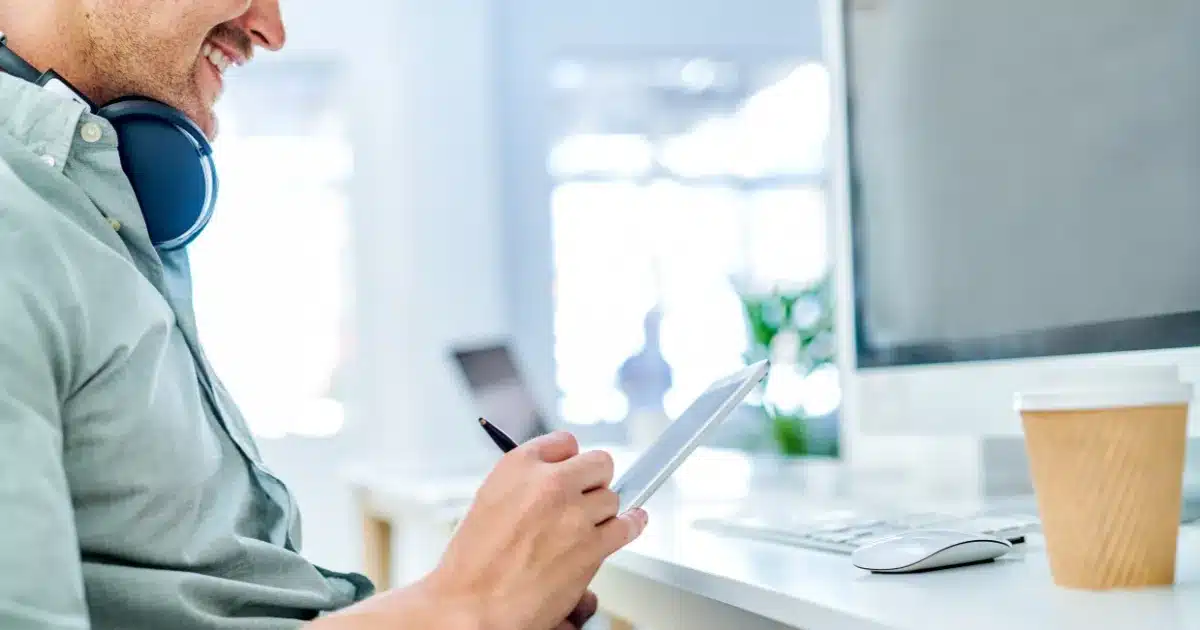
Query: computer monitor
pixel 1016 196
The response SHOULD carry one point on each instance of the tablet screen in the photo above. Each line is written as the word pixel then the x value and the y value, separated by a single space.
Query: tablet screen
pixel 659 460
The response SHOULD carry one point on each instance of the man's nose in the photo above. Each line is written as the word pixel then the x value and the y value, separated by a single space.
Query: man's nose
pixel 264 23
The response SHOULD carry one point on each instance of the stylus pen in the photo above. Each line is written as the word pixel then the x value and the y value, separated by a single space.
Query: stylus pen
pixel 505 443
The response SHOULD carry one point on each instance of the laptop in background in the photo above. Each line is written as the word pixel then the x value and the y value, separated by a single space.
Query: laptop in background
pixel 500 390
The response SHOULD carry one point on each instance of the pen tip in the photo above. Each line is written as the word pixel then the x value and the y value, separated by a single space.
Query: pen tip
pixel 483 422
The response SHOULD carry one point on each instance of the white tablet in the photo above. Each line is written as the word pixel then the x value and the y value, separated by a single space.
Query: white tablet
pixel 677 441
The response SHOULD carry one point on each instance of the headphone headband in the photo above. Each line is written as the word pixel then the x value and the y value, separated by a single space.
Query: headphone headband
pixel 11 63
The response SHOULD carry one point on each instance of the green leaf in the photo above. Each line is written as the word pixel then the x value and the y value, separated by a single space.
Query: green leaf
pixel 790 433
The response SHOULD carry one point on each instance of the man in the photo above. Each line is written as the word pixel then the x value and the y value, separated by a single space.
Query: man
pixel 131 494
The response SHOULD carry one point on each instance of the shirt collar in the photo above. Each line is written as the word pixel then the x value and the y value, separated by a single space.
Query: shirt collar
pixel 40 120
pixel 53 127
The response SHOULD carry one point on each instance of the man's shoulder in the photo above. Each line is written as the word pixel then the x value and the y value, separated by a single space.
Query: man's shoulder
pixel 34 282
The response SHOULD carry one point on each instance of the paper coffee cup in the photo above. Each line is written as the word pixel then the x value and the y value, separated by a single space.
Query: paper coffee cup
pixel 1106 453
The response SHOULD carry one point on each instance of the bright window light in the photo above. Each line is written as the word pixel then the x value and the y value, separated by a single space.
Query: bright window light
pixel 822 391
pixel 707 150
pixel 269 274
pixel 625 155
pixel 788 237
pixel 785 126
pixel 780 130
pixel 668 218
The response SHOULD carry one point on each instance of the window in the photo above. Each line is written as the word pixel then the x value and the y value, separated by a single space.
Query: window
pixel 270 274
pixel 681 185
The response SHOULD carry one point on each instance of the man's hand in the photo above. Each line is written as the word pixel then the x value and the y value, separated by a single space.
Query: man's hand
pixel 522 558
pixel 539 529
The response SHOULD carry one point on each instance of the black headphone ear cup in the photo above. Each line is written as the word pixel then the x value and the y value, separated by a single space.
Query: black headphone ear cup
pixel 169 164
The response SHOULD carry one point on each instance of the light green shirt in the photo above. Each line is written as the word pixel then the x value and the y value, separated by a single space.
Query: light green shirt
pixel 131 492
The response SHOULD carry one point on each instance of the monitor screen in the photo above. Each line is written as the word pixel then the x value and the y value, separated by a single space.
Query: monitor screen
pixel 1024 178
pixel 500 391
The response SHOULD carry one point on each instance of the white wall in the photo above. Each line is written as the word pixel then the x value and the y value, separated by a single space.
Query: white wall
pixel 426 218
pixel 425 253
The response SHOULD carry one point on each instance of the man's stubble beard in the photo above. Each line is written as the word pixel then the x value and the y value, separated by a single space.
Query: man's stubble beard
pixel 127 63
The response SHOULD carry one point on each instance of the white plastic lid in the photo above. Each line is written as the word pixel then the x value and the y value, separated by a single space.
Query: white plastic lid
pixel 1108 388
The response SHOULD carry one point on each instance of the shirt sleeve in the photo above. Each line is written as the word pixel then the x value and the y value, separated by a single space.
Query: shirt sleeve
pixel 41 582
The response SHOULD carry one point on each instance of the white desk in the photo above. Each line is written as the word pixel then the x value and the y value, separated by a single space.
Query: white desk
pixel 677 576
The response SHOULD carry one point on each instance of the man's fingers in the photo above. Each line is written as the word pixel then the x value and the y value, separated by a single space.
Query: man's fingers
pixel 554 447
pixel 588 471
pixel 584 610
pixel 622 530
pixel 601 504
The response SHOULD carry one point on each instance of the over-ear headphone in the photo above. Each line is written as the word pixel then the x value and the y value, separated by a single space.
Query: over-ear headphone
pixel 165 155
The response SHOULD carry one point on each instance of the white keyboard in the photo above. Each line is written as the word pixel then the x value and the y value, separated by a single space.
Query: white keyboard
pixel 845 534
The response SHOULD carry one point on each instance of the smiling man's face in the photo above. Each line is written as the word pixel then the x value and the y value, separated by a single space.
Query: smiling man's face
pixel 175 51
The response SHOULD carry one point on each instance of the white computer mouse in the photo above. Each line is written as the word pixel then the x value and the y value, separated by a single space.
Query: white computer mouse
pixel 925 550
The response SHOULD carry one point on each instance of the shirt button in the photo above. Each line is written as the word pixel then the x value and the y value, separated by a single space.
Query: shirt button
pixel 90 132
pixel 49 160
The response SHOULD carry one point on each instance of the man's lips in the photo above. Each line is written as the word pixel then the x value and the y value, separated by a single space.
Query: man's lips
pixel 231 53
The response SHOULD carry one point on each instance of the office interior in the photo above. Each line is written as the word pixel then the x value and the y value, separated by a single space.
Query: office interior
pixel 637 198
